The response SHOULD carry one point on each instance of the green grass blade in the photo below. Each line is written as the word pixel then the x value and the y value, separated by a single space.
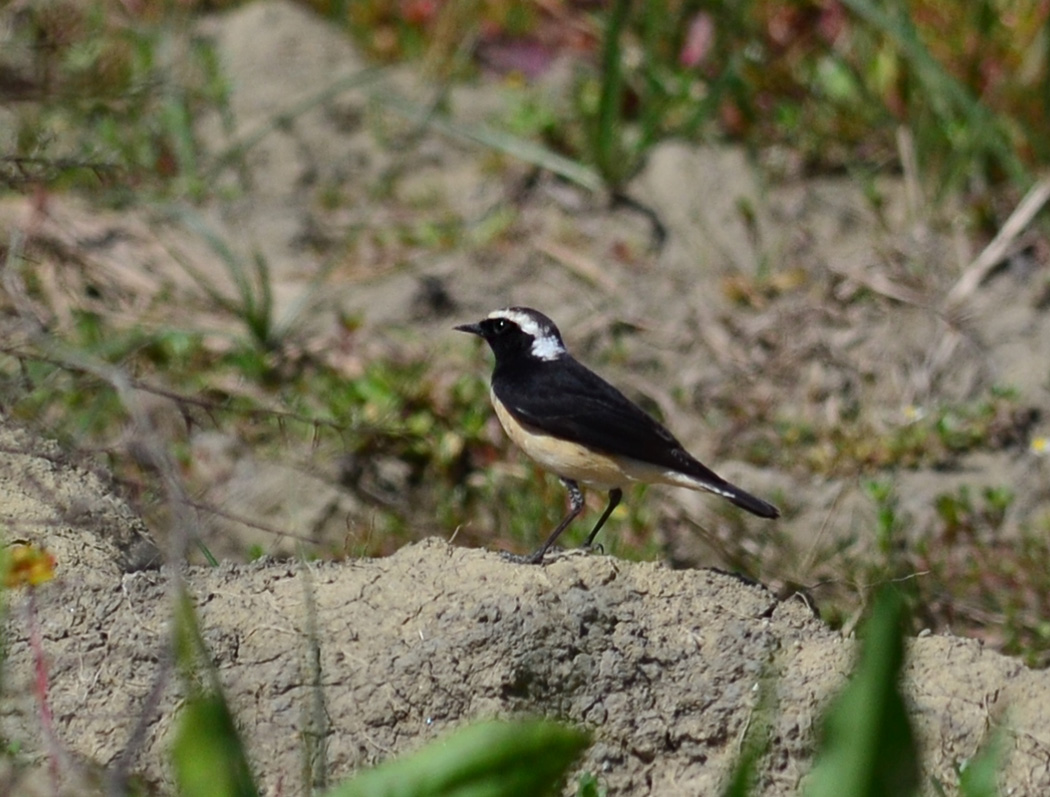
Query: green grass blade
pixel 240 147
pixel 755 744
pixel 868 748
pixel 209 557
pixel 514 146
pixel 949 99
pixel 490 759
pixel 608 131
pixel 980 776
pixel 207 754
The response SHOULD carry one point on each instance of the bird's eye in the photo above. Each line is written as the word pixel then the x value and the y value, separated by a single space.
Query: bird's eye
pixel 500 325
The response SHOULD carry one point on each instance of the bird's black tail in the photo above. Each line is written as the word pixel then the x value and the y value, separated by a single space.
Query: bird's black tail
pixel 744 500
pixel 704 478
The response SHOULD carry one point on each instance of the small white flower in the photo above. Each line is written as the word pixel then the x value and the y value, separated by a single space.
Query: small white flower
pixel 913 413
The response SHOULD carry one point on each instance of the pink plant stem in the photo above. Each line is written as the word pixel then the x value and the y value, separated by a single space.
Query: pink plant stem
pixel 36 644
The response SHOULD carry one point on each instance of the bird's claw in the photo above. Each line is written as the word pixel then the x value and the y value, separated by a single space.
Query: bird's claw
pixel 521 559
pixel 539 557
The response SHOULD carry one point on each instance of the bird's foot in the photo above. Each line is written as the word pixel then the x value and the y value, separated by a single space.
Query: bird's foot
pixel 522 559
pixel 542 555
pixel 545 557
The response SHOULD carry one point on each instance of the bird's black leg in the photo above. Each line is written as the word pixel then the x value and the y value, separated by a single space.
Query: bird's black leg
pixel 615 495
pixel 575 507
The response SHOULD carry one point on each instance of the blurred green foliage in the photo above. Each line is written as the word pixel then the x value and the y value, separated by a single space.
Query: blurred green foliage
pixel 487 759
pixel 868 747
pixel 106 95
pixel 833 80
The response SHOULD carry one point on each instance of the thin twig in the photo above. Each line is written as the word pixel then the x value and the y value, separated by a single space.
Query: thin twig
pixel 119 771
pixel 910 167
pixel 578 263
pixel 999 247
pixel 253 524
pixel 881 284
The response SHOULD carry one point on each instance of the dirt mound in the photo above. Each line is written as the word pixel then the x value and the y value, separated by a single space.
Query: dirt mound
pixel 662 665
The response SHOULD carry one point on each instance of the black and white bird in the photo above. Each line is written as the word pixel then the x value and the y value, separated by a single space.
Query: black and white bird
pixel 578 426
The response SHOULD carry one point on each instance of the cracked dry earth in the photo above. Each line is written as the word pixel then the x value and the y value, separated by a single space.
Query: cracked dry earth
pixel 661 665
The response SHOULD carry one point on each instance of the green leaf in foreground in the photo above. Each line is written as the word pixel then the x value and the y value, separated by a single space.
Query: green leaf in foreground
pixel 755 745
pixel 980 776
pixel 587 786
pixel 208 756
pixel 491 759
pixel 868 747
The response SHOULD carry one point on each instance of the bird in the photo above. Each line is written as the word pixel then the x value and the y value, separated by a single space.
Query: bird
pixel 573 423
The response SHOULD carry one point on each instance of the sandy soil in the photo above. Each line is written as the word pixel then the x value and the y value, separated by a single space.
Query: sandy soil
pixel 663 665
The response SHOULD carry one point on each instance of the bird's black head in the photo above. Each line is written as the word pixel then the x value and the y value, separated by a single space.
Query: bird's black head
pixel 519 332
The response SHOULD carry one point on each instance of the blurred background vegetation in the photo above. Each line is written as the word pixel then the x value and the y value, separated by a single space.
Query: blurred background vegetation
pixel 834 82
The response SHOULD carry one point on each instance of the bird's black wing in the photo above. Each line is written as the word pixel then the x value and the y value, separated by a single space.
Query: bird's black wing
pixel 567 400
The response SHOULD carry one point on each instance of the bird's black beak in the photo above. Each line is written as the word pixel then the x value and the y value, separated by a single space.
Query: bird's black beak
pixel 473 329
